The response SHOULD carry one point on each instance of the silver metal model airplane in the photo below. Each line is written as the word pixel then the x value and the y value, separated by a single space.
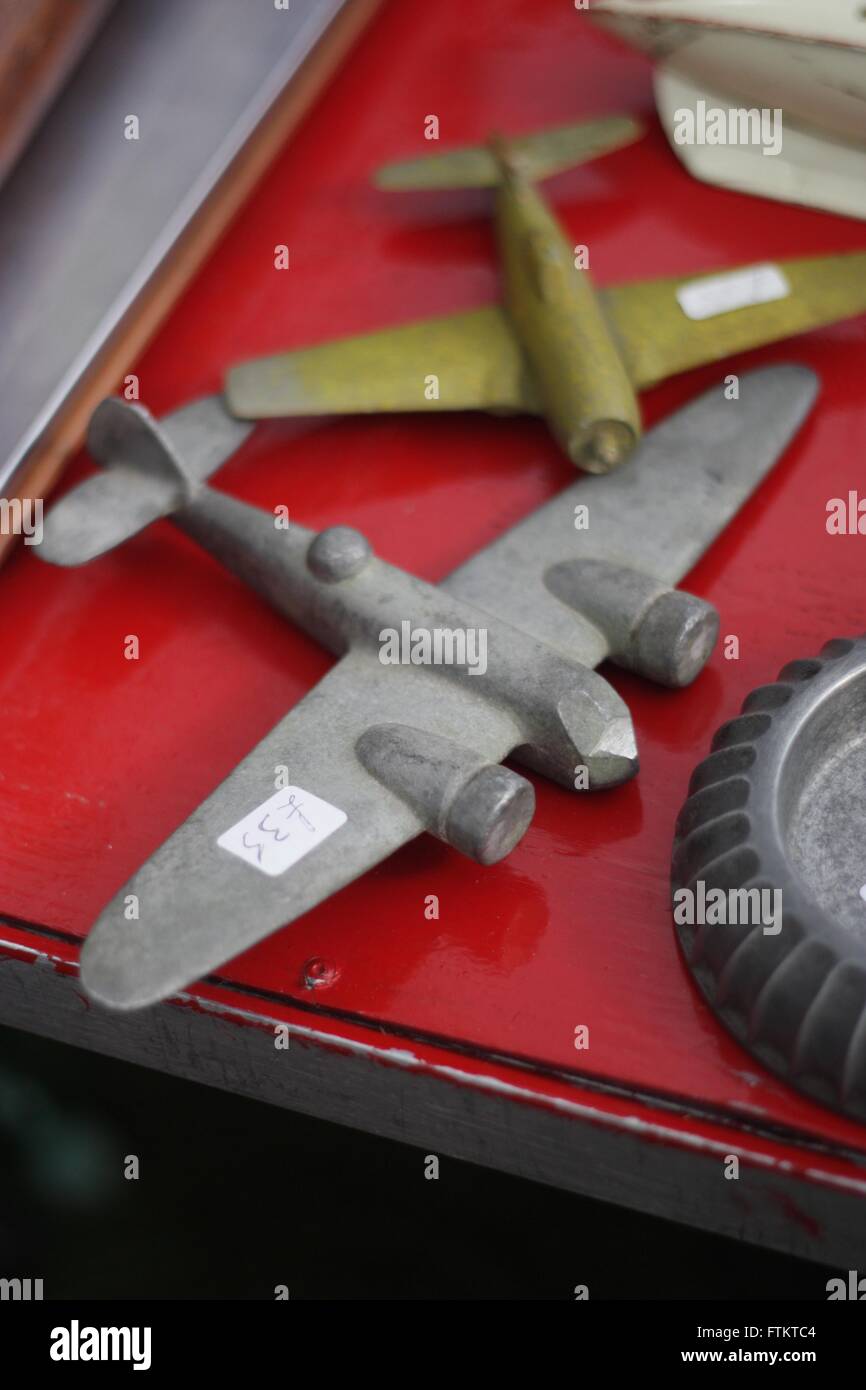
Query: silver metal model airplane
pixel 378 752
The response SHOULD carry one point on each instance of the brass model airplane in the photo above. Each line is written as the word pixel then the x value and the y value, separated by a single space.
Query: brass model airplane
pixel 557 347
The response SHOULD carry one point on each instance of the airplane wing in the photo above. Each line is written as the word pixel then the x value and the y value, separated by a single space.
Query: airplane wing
pixel 254 857
pixel 662 327
pixel 656 515
pixel 541 154
pixel 465 361
pixel 670 325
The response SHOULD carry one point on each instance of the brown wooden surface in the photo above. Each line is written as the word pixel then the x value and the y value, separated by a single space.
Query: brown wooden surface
pixel 40 41
pixel 67 431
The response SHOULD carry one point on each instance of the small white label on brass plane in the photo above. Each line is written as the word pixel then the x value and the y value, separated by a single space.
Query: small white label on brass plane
pixel 738 289
pixel 277 834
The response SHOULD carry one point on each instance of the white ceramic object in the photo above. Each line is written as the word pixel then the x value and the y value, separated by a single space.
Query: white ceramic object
pixel 805 59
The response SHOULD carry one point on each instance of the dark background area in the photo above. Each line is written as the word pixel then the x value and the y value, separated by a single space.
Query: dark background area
pixel 235 1197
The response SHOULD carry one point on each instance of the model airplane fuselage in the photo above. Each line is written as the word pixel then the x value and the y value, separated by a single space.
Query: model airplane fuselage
pixel 585 391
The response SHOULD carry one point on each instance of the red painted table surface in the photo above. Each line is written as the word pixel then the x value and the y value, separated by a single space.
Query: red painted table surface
pixel 103 757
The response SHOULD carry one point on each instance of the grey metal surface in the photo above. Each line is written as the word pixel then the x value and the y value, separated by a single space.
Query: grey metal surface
pixel 396 749
pixel 692 473
pixel 780 804
pixel 88 216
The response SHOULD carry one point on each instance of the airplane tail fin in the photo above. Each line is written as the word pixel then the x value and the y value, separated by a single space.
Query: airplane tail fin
pixel 144 478
pixel 539 155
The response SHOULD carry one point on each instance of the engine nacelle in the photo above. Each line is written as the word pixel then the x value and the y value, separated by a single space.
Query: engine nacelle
pixel 664 634
pixel 478 807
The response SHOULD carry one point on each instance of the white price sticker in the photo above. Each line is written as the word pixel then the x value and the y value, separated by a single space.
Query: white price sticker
pixel 736 289
pixel 277 834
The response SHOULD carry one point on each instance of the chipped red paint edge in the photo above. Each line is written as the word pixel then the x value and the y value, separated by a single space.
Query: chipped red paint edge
pixel 652 1126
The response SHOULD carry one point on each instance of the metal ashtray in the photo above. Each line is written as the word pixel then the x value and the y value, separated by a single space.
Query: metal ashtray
pixel 769 861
